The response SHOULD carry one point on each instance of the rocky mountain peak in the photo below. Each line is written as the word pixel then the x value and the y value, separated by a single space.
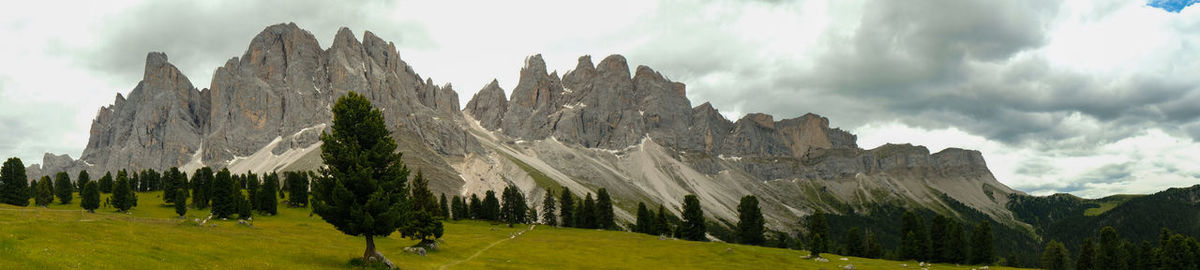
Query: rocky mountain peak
pixel 488 105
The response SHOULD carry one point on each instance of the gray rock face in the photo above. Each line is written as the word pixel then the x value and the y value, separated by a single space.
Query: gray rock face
pixel 158 126
pixel 281 90
pixel 488 106
pixel 536 96
pixel 604 107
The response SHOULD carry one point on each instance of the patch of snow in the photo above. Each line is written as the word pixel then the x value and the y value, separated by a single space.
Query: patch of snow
pixel 576 105
pixel 642 113
pixel 568 90
pixel 730 158
pixel 303 130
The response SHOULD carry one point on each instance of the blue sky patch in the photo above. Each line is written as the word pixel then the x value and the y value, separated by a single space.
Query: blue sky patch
pixel 1171 5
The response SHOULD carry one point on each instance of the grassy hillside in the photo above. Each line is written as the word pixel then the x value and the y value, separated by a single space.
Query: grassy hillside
pixel 150 238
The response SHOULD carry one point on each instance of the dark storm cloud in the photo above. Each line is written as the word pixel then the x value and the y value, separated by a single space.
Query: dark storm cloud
pixel 933 64
pixel 1109 174
pixel 200 36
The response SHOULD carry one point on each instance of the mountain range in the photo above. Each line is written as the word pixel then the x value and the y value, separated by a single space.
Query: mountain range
pixel 631 131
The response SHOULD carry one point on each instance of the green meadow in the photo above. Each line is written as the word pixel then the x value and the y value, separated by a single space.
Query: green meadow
pixel 151 237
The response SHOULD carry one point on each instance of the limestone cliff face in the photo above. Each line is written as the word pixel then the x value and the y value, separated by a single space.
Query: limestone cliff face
pixel 264 110
pixel 597 126
pixel 158 126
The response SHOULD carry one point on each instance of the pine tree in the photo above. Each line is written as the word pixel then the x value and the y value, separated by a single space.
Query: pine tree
pixel 586 214
pixel 874 249
pixel 201 186
pixel 457 208
pixel 179 196
pixel 297 186
pixel 14 183
pixel 268 203
pixel 566 210
pixel 1110 254
pixel 491 206
pixel 956 243
pixel 106 183
pixel 476 208
pixel 170 182
pixel 645 220
pixel 1144 258
pixel 513 209
pixel 549 210
pixel 531 214
pixel 693 227
pixel 225 195
pixel 62 187
pixel 1055 256
pixel 362 189
pixel 982 249
pixel 1087 256
pixel 782 240
pixel 81 180
pixel 45 192
pixel 422 223
pixel 853 242
pixel 242 203
pixel 151 180
pixel 662 225
pixel 89 196
pixel 250 182
pixel 445 207
pixel 122 196
pixel 910 244
pixel 938 239
pixel 818 234
pixel 750 222
pixel 605 219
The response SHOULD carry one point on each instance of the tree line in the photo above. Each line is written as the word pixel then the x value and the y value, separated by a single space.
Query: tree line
pixel 225 194
pixel 1172 251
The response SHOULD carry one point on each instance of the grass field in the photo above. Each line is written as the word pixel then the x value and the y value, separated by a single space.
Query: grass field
pixel 150 237
pixel 1108 203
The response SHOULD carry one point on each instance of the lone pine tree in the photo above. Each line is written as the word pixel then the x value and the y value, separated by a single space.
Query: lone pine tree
pixel 179 196
pixel 226 196
pixel 566 209
pixel 693 227
pixel 361 189
pixel 63 188
pixel 422 223
pixel 14 184
pixel 45 192
pixel 106 183
pixel 750 222
pixel 82 179
pixel 122 196
pixel 605 219
pixel 549 209
pixel 89 196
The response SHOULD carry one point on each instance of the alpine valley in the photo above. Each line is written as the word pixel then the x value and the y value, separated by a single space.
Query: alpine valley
pixel 628 130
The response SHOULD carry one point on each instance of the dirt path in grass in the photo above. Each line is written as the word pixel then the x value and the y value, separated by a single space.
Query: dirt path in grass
pixel 477 253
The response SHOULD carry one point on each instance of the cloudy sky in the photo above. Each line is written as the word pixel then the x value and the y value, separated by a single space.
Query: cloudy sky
pixel 1091 97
